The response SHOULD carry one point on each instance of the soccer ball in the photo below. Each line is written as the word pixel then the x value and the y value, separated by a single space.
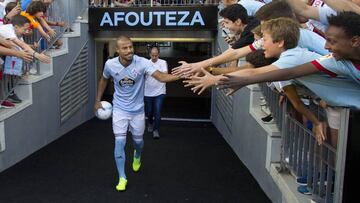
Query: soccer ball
pixel 105 112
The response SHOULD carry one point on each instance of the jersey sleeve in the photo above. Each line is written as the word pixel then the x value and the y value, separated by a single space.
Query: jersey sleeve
pixel 324 13
pixel 106 72
pixel 149 67
pixel 328 65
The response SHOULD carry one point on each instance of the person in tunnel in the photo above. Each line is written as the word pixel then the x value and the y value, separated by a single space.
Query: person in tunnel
pixel 155 93
pixel 128 72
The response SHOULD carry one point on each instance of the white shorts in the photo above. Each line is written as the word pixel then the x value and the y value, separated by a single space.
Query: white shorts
pixel 333 117
pixel 123 121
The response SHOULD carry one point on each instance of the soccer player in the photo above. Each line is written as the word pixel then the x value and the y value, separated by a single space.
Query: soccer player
pixel 128 71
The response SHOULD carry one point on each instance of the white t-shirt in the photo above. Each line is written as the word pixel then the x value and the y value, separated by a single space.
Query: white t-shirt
pixel 153 87
pixel 7 31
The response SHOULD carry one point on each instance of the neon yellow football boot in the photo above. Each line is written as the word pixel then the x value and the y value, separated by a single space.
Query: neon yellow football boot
pixel 122 184
pixel 136 163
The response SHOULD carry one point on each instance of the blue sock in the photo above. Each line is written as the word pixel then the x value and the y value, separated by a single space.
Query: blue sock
pixel 138 142
pixel 119 154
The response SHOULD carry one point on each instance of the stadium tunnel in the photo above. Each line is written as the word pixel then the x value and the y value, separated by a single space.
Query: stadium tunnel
pixel 180 103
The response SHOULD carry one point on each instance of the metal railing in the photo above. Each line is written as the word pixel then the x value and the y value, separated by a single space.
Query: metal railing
pixel 272 101
pixel 112 3
pixel 60 10
pixel 300 153
pixel 66 11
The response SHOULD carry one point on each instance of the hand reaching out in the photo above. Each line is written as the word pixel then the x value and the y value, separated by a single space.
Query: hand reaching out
pixel 186 69
pixel 319 134
pixel 232 81
pixel 7 43
pixel 51 33
pixel 42 57
pixel 200 84
pixel 15 11
pixel 26 56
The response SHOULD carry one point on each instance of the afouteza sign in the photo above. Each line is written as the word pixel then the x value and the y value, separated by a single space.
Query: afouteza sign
pixel 153 18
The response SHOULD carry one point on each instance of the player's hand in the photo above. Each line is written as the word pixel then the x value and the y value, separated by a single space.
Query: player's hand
pixel 97 106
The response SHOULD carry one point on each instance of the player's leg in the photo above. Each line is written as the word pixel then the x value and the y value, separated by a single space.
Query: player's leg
pixel 137 127
pixel 120 126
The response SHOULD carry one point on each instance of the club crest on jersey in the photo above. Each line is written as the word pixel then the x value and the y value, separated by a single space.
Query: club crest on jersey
pixel 126 82
pixel 134 73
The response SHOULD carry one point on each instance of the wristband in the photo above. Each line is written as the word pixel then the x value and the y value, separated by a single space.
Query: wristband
pixel 211 70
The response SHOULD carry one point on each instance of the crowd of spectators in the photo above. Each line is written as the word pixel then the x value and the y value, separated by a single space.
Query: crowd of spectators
pixel 21 20
pixel 129 3
pixel 307 51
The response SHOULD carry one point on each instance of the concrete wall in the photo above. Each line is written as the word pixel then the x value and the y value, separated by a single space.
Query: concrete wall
pixel 40 122
pixel 248 140
pixel 247 137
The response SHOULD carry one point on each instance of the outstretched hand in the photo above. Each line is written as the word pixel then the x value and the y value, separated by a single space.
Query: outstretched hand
pixel 200 84
pixel 232 81
pixel 42 57
pixel 186 69
pixel 319 134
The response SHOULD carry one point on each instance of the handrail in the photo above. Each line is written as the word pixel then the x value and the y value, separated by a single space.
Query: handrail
pixel 153 3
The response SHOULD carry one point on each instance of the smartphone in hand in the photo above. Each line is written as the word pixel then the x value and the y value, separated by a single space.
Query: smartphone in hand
pixel 225 34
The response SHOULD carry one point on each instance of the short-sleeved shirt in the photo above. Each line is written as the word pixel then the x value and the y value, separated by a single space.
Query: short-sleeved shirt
pixel 324 13
pixel 329 65
pixel 251 6
pixel 153 87
pixel 129 83
pixel 246 37
pixel 339 91
pixel 312 41
pixel 34 23
pixel 7 31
